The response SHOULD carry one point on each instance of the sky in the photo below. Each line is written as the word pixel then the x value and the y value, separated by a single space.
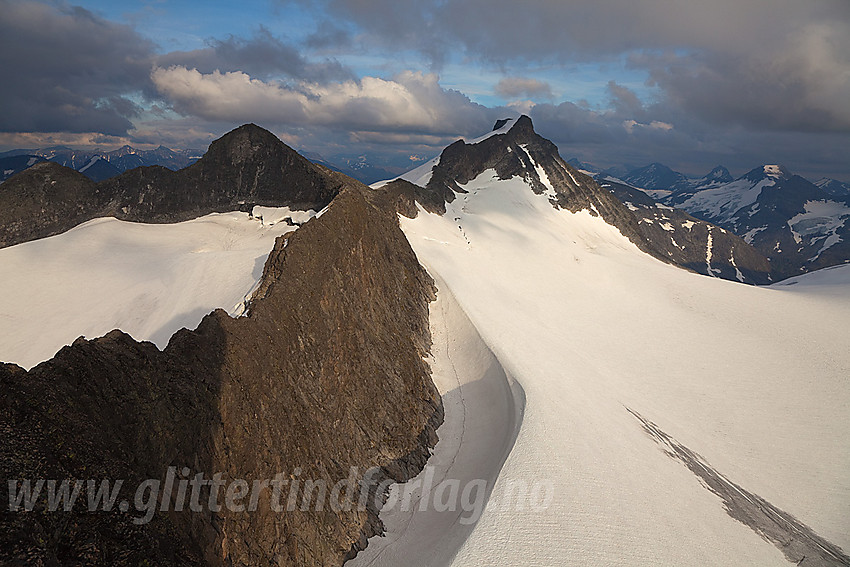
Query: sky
pixel 688 83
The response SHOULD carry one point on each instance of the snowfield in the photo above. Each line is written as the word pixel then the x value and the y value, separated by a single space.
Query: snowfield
pixel 821 220
pixel 752 379
pixel 483 411
pixel 553 334
pixel 721 203
pixel 149 280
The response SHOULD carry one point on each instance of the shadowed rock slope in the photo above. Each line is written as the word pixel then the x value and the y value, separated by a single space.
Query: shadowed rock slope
pixel 691 242
pixel 325 373
pixel 522 152
pixel 248 166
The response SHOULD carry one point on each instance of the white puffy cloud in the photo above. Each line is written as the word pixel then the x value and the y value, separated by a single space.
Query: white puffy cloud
pixel 411 101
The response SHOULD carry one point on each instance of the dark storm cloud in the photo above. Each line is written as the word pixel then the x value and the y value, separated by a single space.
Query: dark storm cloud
pixel 782 64
pixel 260 56
pixel 65 69
pixel 329 35
pixel 685 143
pixel 805 96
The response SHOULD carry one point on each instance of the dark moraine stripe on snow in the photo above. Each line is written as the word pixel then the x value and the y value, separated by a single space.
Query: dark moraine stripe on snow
pixel 800 544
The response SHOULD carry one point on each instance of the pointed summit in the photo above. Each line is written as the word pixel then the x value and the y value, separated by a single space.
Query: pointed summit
pixel 655 176
pixel 514 156
pixel 246 167
pixel 776 171
pixel 768 171
pixel 719 174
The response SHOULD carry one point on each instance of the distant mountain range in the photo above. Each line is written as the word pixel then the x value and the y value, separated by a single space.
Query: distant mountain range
pixel 362 167
pixel 798 225
pixel 96 165
pixel 100 165
pixel 240 170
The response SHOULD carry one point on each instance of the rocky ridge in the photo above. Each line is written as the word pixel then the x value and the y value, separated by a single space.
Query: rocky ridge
pixel 325 373
pixel 522 152
pixel 246 167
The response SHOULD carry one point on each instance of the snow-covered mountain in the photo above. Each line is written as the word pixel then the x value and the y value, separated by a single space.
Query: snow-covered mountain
pixel 617 408
pixel 516 150
pixel 101 165
pixel 655 176
pixel 724 252
pixel 795 223
pixel 678 419
pixel 659 181
pixel 834 187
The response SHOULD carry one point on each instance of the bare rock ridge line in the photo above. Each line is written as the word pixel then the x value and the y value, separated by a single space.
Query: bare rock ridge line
pixel 800 544
pixel 248 166
pixel 733 258
pixel 522 152
pixel 325 373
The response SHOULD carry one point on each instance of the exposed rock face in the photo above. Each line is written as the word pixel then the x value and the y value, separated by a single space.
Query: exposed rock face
pixel 691 242
pixel 325 373
pixel 44 200
pixel 248 166
pixel 522 152
pixel 12 165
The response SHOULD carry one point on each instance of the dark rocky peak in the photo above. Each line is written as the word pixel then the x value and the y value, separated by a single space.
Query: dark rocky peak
pixel 719 174
pixel 247 167
pixel 523 128
pixel 246 143
pixel 768 171
pixel 325 373
pixel 43 198
pixel 655 176
pixel 123 151
pixel 521 152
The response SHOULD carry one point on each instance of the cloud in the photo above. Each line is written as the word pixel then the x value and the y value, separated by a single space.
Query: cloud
pixel 261 56
pixel 779 64
pixel 630 125
pixel 329 35
pixel 65 69
pixel 804 87
pixel 411 102
pixel 516 87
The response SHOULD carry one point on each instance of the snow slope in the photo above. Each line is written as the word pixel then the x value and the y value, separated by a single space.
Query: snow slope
pixel 148 280
pixel 483 411
pixel 722 202
pixel 752 379
pixel 821 220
